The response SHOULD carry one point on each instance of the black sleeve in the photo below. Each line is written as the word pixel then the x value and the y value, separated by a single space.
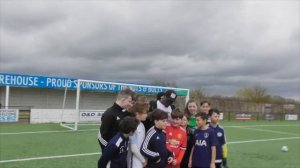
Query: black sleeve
pixel 107 123
pixel 192 140
pixel 146 151
pixel 107 154
pixel 173 107
pixel 147 124
pixel 153 105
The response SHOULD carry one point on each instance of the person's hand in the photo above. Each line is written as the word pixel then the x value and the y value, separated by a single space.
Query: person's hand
pixel 145 163
pixel 190 164
pixel 212 165
pixel 170 160
pixel 174 162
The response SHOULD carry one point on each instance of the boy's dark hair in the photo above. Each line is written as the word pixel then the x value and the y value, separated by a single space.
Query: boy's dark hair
pixel 158 114
pixel 211 111
pixel 202 115
pixel 176 113
pixel 128 124
pixel 203 102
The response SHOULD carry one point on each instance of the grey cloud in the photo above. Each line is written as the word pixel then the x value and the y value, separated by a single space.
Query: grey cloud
pixel 218 46
pixel 18 17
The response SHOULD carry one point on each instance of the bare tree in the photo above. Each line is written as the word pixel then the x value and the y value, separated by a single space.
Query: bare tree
pixel 256 94
pixel 197 94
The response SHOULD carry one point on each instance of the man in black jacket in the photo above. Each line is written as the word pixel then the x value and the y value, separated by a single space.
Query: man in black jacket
pixel 165 103
pixel 112 116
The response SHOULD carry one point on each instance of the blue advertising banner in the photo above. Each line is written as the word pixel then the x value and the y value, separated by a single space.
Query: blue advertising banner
pixel 71 83
pixel 36 81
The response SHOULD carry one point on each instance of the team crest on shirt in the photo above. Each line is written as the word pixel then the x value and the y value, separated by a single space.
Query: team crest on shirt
pixel 123 149
pixel 157 137
pixel 206 135
pixel 219 134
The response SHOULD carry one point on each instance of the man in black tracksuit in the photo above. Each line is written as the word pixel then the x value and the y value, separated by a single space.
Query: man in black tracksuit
pixel 112 116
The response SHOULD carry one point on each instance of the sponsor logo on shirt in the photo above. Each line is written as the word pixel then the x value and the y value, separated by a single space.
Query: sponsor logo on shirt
pixel 201 142
pixel 174 142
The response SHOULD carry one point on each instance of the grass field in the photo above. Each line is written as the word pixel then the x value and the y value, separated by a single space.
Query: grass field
pixel 252 144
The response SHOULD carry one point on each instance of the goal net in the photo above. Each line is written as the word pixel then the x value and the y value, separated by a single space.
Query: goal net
pixel 82 107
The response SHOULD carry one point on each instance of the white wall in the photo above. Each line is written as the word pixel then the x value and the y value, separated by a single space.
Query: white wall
pixel 52 115
pixel 2 96
pixel 39 98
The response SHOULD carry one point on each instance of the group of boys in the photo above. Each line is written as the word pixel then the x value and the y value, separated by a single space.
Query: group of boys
pixel 165 142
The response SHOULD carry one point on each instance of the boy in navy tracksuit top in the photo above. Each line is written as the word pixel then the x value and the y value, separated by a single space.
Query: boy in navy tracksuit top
pixel 221 148
pixel 115 153
pixel 154 146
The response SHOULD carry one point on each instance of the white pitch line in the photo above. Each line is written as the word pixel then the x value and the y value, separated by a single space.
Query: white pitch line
pixel 262 140
pixel 261 126
pixel 48 157
pixel 264 130
pixel 88 154
pixel 41 132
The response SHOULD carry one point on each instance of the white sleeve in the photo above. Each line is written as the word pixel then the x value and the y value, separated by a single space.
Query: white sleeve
pixel 133 138
pixel 136 152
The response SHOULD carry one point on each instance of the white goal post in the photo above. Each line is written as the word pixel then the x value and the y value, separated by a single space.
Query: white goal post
pixel 104 86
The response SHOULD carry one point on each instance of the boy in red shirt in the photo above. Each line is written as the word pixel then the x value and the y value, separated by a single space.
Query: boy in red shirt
pixel 176 138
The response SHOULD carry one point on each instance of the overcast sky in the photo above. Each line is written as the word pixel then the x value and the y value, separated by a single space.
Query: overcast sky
pixel 218 46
